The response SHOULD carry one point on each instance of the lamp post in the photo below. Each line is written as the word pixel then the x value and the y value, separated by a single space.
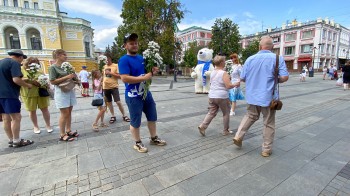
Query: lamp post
pixel 318 55
pixel 220 31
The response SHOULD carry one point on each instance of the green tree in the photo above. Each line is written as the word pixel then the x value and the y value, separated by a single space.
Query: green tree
pixel 152 20
pixel 225 37
pixel 252 49
pixel 190 57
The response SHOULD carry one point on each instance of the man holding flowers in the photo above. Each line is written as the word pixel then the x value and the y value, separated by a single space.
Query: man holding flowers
pixel 132 72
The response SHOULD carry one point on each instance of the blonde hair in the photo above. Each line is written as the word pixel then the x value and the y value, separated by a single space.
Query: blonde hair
pixel 218 59
pixel 57 52
pixel 234 55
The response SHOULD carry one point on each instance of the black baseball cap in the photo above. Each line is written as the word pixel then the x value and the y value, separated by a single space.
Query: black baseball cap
pixel 17 52
pixel 130 37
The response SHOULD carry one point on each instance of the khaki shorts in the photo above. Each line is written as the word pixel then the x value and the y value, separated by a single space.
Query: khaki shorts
pixel 33 103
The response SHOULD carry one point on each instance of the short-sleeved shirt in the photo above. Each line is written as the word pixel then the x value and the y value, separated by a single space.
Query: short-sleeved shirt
pixel 133 66
pixel 84 75
pixel 97 83
pixel 34 91
pixel 9 69
pixel 110 81
pixel 56 72
pixel 258 73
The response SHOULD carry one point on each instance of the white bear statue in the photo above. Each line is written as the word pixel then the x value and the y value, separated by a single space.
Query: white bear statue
pixel 201 72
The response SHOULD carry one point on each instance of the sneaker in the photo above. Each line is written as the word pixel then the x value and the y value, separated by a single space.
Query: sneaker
pixel 237 142
pixel 140 147
pixel 157 141
pixel 37 131
pixel 232 113
pixel 227 132
pixel 201 131
pixel 265 154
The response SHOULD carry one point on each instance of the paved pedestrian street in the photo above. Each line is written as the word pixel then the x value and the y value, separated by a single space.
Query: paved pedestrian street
pixel 311 151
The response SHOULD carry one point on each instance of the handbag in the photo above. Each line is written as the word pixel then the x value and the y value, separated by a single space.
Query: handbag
pixel 43 92
pixel 276 104
pixel 67 85
pixel 97 101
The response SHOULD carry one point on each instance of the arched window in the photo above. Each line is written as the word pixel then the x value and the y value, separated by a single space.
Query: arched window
pixel 12 38
pixel 87 43
pixel 34 39
pixel 15 3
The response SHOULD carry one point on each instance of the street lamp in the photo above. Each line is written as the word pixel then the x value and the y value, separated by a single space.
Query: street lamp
pixel 220 31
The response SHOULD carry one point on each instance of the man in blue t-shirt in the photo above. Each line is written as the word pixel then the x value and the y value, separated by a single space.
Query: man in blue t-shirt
pixel 10 106
pixel 259 75
pixel 132 73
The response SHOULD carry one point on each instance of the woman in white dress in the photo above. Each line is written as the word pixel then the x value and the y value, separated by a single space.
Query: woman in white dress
pixel 235 93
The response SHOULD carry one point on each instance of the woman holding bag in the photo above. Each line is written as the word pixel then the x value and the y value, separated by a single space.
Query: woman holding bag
pixel 31 98
pixel 64 100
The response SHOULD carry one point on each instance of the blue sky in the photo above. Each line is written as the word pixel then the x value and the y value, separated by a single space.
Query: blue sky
pixel 250 15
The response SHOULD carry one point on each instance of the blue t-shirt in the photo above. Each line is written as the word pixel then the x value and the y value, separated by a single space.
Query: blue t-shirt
pixel 133 66
pixel 259 75
pixel 9 69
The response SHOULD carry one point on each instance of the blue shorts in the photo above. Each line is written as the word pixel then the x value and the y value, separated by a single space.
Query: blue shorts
pixel 136 106
pixel 10 106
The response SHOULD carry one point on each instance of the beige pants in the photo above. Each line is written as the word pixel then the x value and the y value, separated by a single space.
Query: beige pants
pixel 253 113
pixel 214 105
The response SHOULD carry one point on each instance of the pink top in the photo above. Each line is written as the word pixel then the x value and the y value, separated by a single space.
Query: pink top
pixel 97 83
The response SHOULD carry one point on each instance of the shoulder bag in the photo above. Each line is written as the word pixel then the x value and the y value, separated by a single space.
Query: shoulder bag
pixel 276 104
pixel 43 92
pixel 67 85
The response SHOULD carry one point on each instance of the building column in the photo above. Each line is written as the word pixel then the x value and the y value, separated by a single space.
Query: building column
pixel 2 40
pixel 23 41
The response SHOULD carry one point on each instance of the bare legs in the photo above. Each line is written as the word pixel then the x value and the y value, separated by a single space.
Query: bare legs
pixel 65 120
pixel 34 118
pixel 11 125
pixel 135 132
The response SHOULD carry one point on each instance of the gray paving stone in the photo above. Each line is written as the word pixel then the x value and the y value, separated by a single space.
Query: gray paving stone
pixel 9 180
pixel 152 184
pixel 89 162
pixel 96 143
pixel 135 188
pixel 8 161
pixel 174 175
pixel 112 156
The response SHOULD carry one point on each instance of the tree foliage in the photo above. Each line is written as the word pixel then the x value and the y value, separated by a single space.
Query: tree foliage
pixel 190 57
pixel 252 49
pixel 152 20
pixel 225 37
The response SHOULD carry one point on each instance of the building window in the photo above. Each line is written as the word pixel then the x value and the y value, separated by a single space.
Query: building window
pixel 14 42
pixel 26 4
pixel 322 48
pixel 15 3
pixel 189 38
pixel 334 36
pixel 36 5
pixel 289 50
pixel 329 36
pixel 290 37
pixel 328 49
pixel 202 34
pixel 307 34
pixel 276 39
pixel 36 43
pixel 195 35
pixel 87 49
pixel 324 34
pixel 6 2
pixel 333 50
pixel 306 48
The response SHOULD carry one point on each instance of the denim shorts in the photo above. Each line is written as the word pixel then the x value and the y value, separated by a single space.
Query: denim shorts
pixel 64 99
pixel 136 106
pixel 10 106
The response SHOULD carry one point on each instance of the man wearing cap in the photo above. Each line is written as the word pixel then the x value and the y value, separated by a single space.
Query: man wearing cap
pixel 132 73
pixel 10 106
pixel 84 79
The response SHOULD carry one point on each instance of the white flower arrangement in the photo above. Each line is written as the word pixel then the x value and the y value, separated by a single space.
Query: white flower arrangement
pixel 32 71
pixel 102 61
pixel 67 67
pixel 43 81
pixel 228 66
pixel 152 59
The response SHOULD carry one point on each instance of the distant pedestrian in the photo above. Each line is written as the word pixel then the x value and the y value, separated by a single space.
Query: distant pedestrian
pixel 111 89
pixel 132 72
pixel 64 100
pixel 335 74
pixel 331 72
pixel 324 71
pixel 31 99
pixel 10 105
pixel 346 75
pixel 302 75
pixel 218 96
pixel 236 92
pixel 98 94
pixel 84 79
pixel 259 76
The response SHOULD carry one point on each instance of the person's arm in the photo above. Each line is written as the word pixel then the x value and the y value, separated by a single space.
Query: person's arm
pixel 126 78
pixel 227 81
pixel 64 78
pixel 117 75
pixel 283 74
pixel 20 82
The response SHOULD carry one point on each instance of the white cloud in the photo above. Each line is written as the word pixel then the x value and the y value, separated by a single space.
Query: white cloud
pixel 248 14
pixel 204 23
pixel 102 8
pixel 249 26
pixel 104 37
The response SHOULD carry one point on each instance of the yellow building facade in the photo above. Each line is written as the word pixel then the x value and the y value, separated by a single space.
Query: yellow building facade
pixel 37 27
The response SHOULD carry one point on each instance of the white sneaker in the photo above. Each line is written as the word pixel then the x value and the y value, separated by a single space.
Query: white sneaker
pixel 232 113
pixel 49 130
pixel 37 131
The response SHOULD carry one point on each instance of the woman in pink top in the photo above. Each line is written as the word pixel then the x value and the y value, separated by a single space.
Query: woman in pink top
pixel 220 84
pixel 97 87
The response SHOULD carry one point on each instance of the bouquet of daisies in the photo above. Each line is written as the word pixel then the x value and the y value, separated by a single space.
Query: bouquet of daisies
pixel 228 66
pixel 152 59
pixel 43 81
pixel 67 67
pixel 102 61
pixel 32 71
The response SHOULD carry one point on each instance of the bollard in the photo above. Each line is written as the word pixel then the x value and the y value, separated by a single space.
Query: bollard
pixel 171 85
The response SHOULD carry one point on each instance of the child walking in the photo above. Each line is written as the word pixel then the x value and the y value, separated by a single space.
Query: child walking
pixel 97 88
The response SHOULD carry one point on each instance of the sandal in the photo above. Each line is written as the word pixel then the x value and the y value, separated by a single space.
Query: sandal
pixel 103 125
pixel 22 143
pixel 112 120
pixel 126 119
pixel 72 134
pixel 95 127
pixel 67 138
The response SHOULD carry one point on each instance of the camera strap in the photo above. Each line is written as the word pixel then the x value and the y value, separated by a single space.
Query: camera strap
pixel 276 79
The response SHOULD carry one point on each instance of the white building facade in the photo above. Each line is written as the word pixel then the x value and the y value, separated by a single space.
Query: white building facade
pixel 315 43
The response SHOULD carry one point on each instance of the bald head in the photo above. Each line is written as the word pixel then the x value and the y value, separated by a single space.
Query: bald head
pixel 266 43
